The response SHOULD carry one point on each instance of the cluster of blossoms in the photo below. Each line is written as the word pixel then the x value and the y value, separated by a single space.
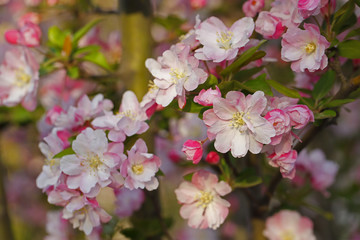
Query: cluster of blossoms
pixel 76 171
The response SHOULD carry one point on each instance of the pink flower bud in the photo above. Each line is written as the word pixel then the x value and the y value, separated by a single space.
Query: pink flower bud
pixel 197 4
pixel 252 7
pixel 300 115
pixel 269 25
pixel 281 123
pixel 28 35
pixel 29 17
pixel 206 97
pixel 193 150
pixel 309 7
pixel 212 158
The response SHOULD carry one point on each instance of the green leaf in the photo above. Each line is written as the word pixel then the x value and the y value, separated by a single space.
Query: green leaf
pixel 20 115
pixel 325 114
pixel 247 178
pixel 160 173
pixel 353 33
pixel 338 103
pixel 258 84
pixel 57 36
pixel 344 18
pixel 210 82
pixel 98 58
pixel 283 90
pixel 82 31
pixel 243 59
pixel 87 49
pixel 192 107
pixel 247 73
pixel 188 177
pixel 349 49
pixel 66 151
pixel 73 72
pixel 225 169
pixel 324 85
pixel 170 23
pixel 133 234
pixel 228 86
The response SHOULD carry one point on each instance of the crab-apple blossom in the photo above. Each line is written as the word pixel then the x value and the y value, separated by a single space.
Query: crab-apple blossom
pixel 202 202
pixel 321 170
pixel 236 123
pixel 212 157
pixel 287 11
pixel 140 167
pixel 281 123
pixel 193 150
pixel 128 201
pixel 305 49
pixel 28 35
pixel 19 77
pixel 309 7
pixel 129 120
pixel 220 42
pixel 269 25
pixel 300 115
pixel 288 224
pixel 286 163
pixel 252 7
pixel 175 72
pixel 92 162
pixel 206 97
pixel 86 215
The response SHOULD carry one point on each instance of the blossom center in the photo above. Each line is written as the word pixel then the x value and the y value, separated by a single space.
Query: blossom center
pixel 137 168
pixel 177 74
pixel 151 86
pixel 287 236
pixel 310 48
pixel 204 199
pixel 22 78
pixel 224 39
pixel 237 121
pixel 127 113
pixel 94 162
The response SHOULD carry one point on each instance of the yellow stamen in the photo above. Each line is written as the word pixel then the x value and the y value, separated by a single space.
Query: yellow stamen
pixel 94 162
pixel 22 78
pixel 204 199
pixel 287 236
pixel 137 168
pixel 237 120
pixel 224 39
pixel 310 48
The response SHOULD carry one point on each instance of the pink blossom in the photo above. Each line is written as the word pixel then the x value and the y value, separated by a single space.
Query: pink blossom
pixel 32 17
pixel 206 97
pixel 201 200
pixel 190 37
pixel 269 25
pixel 322 171
pixel 219 42
pixel 281 123
pixel 128 201
pixel 92 163
pixel 175 73
pixel 305 48
pixel 28 35
pixel 252 7
pixel 212 157
pixel 306 80
pixel 129 120
pixel 19 79
pixel 56 226
pixel 300 115
pixel 197 4
pixel 328 7
pixel 288 224
pixel 287 11
pixel 309 7
pixel 235 123
pixel 140 167
pixel 193 150
pixel 286 163
pixel 85 215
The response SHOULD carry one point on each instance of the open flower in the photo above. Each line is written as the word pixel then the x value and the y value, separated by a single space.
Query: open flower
pixel 19 79
pixel 288 224
pixel 140 167
pixel 269 25
pixel 175 73
pixel 221 43
pixel 235 123
pixel 28 35
pixel 92 163
pixel 305 48
pixel 201 200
